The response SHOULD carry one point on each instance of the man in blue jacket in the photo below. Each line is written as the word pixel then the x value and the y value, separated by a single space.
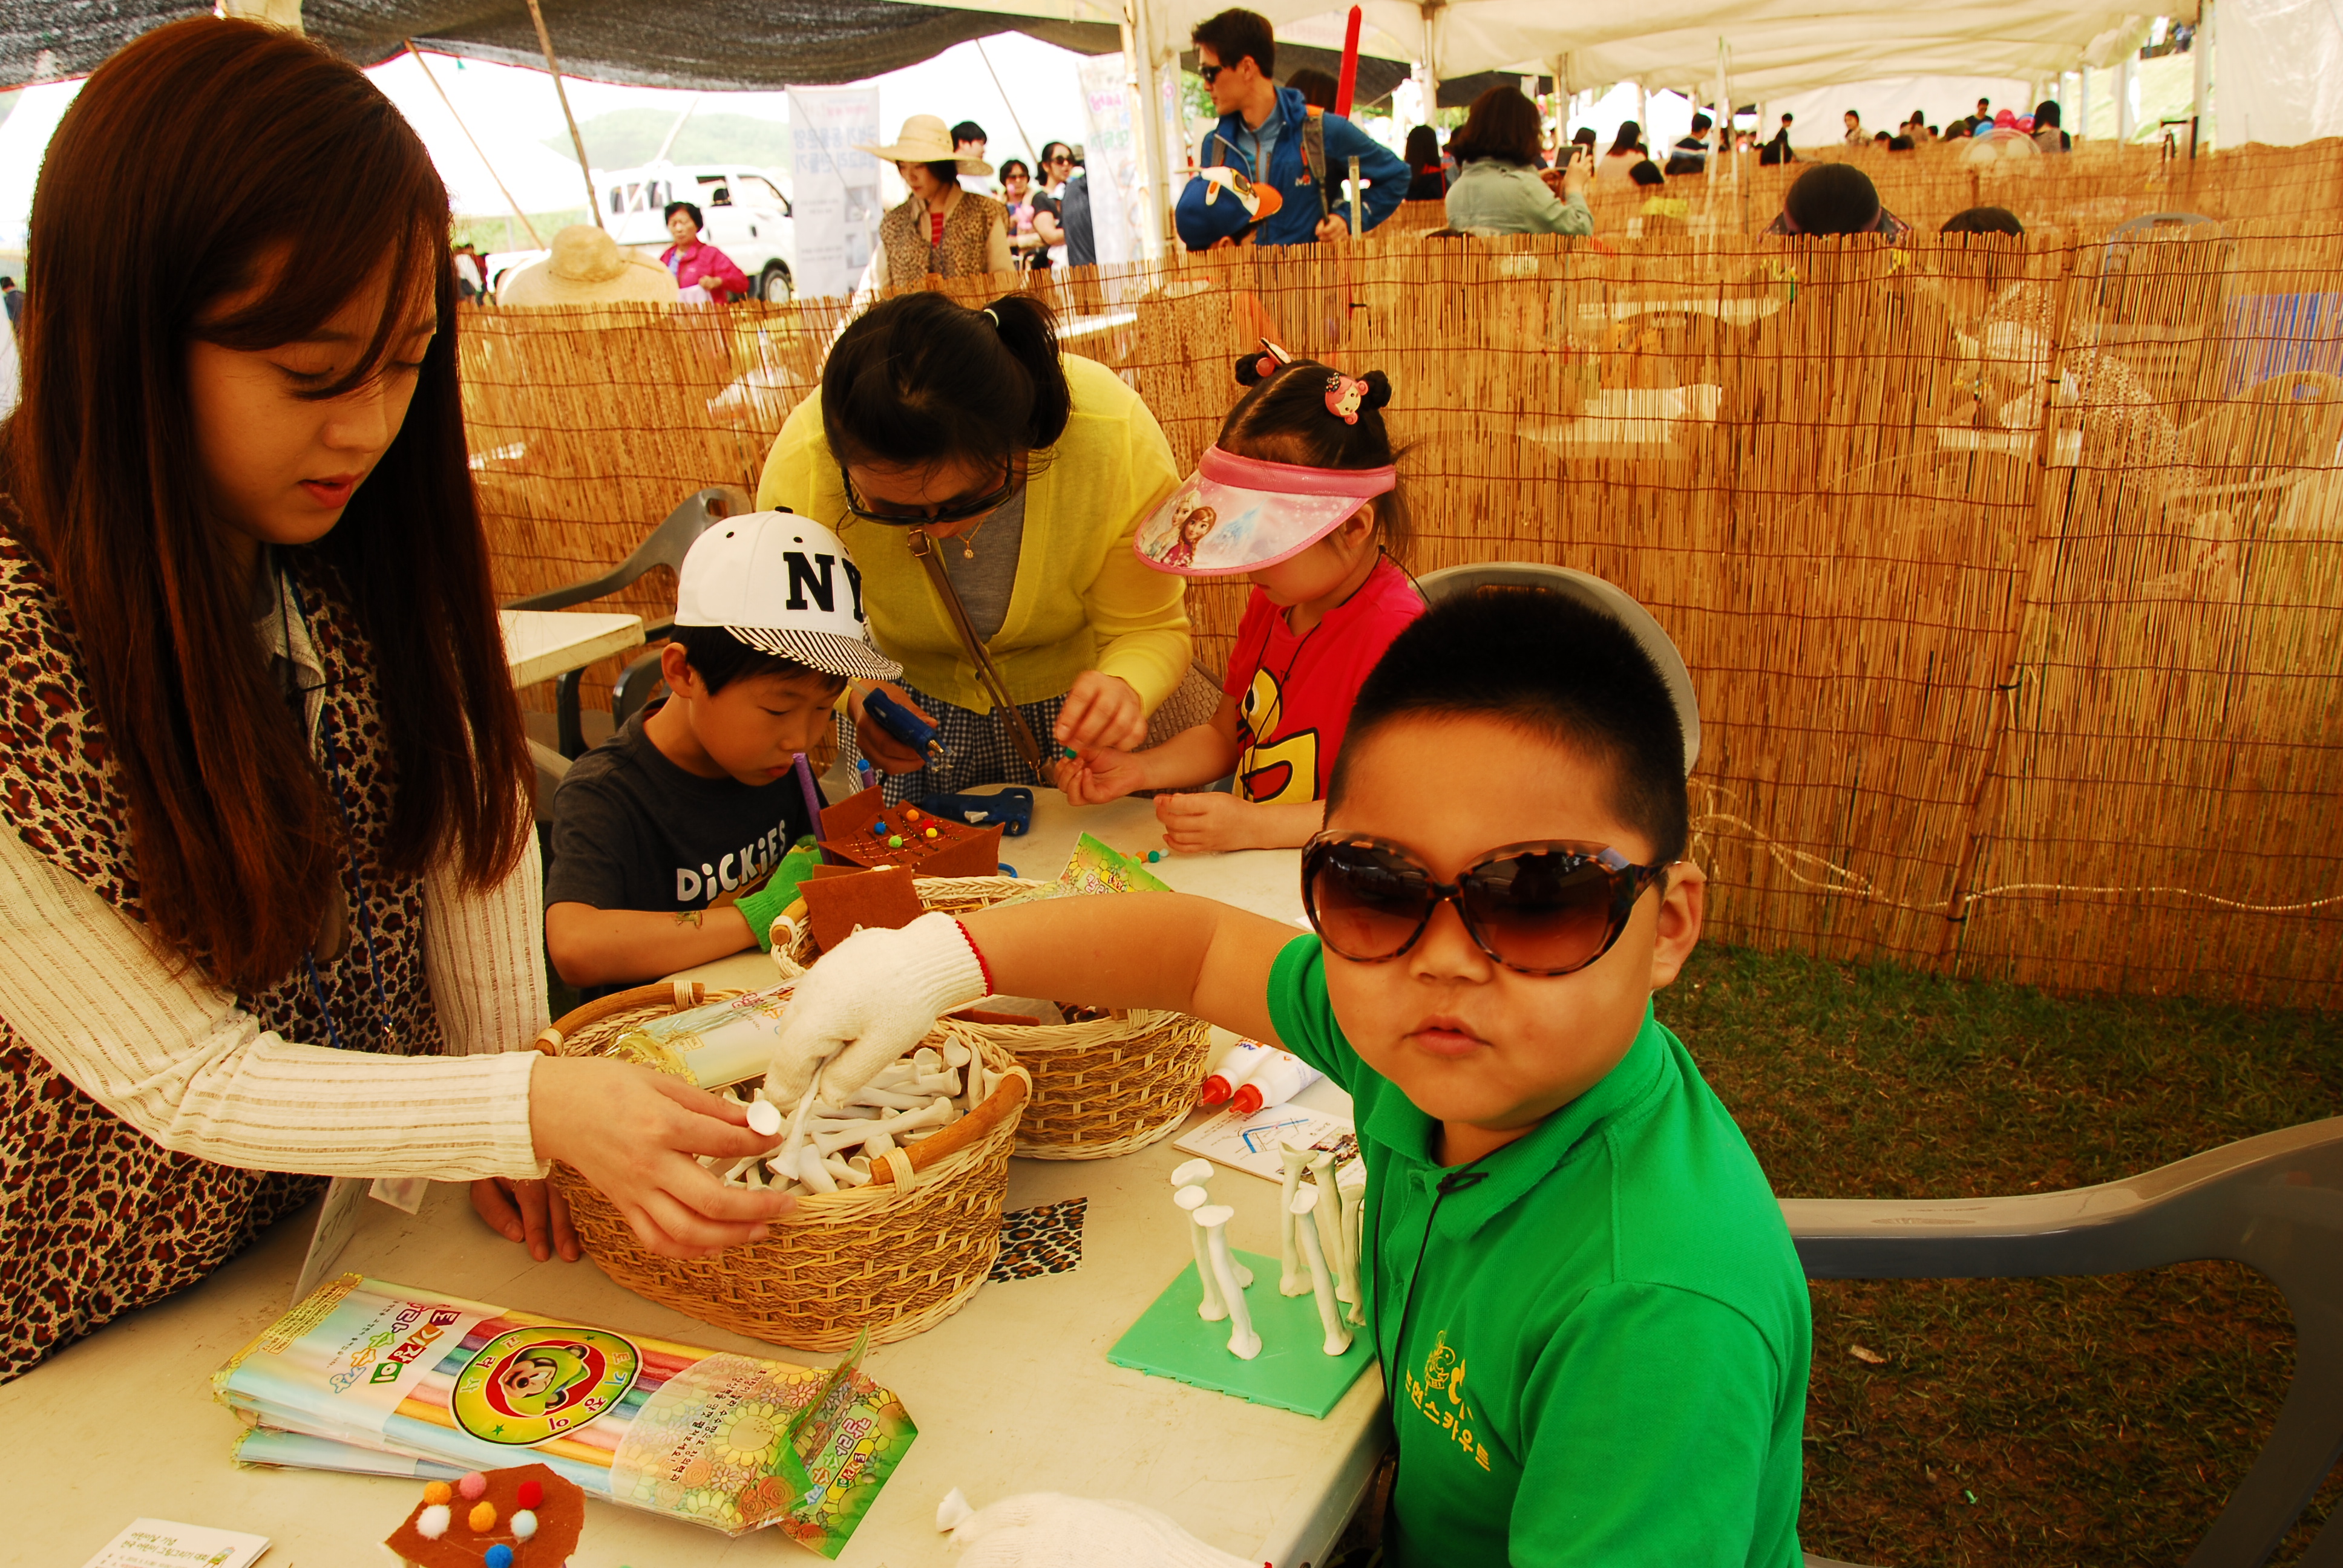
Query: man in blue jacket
pixel 1278 139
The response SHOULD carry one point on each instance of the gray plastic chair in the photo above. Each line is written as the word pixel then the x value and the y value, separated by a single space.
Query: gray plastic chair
pixel 666 546
pixel 2274 1202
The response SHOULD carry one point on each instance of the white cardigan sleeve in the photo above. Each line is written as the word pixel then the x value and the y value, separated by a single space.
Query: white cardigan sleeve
pixel 484 954
pixel 172 1055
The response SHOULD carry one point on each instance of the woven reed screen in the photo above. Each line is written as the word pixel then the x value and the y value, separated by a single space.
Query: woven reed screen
pixel 2011 575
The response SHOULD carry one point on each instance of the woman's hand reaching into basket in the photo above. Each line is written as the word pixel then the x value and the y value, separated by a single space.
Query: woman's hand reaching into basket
pixel 636 1135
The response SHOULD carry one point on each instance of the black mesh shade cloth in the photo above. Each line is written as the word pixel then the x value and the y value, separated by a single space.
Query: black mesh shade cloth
pixel 713 44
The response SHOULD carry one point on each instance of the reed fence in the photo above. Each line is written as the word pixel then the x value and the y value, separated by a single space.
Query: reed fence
pixel 2010 572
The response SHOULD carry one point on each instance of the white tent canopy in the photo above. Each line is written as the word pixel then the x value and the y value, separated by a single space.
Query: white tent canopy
pixel 1777 46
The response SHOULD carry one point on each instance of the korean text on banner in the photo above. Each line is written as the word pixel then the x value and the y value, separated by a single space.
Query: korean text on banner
pixel 835 189
pixel 1110 157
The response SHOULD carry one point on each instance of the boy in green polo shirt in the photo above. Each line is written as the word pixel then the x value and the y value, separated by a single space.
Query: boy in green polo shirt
pixel 1590 1321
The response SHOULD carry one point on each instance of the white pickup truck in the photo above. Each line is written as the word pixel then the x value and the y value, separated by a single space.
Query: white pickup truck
pixel 745 212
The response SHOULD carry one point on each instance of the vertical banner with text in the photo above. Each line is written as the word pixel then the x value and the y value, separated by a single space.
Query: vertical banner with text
pixel 1111 157
pixel 835 189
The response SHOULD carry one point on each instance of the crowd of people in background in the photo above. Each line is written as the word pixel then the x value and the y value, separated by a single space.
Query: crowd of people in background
pixel 1276 168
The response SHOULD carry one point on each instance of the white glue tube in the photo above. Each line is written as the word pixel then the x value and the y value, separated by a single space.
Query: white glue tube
pixel 1274 1082
pixel 1236 1065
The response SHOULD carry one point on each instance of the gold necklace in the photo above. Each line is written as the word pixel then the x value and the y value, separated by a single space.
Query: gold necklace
pixel 968 539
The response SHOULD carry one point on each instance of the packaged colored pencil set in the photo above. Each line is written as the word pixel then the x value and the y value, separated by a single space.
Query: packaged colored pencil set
pixel 731 1441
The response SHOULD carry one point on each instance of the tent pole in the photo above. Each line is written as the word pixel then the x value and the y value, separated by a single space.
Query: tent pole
pixel 2200 49
pixel 2127 120
pixel 476 148
pixel 2083 100
pixel 585 168
pixel 1430 58
pixel 1155 170
pixel 1031 150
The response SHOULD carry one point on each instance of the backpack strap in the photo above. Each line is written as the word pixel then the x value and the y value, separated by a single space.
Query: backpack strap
pixel 1313 154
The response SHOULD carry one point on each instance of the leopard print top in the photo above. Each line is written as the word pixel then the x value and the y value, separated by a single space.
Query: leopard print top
pixel 964 251
pixel 96 1219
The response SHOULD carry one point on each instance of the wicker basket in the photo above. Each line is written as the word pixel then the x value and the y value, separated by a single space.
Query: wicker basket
pixel 893 1258
pixel 1101 1088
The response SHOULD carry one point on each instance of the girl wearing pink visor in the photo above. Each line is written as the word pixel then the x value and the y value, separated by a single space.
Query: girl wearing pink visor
pixel 1299 498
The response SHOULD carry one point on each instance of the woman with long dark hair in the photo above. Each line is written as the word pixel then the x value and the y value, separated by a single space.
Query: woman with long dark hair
pixel 1427 172
pixel 268 894
pixel 989 488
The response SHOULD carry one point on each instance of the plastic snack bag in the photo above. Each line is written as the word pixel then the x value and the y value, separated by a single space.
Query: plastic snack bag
pixel 731 1441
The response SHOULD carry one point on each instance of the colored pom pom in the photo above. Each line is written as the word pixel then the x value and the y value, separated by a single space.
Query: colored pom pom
pixel 472 1485
pixel 910 813
pixel 894 841
pixel 483 1517
pixel 499 1556
pixel 880 825
pixel 1153 855
pixel 432 1523
pixel 437 1491
pixel 524 1524
pixel 529 1496
pixel 931 832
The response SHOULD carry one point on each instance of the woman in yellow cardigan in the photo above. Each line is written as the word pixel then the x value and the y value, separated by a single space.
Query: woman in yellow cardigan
pixel 1028 471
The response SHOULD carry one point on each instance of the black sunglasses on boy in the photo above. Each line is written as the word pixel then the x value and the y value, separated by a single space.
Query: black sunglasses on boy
pixel 1543 908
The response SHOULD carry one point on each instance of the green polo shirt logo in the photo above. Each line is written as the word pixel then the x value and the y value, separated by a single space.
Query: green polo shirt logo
pixel 1437 1391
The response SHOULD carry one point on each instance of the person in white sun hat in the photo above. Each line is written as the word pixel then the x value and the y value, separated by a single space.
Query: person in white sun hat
pixel 585 266
pixel 943 229
pixel 672 839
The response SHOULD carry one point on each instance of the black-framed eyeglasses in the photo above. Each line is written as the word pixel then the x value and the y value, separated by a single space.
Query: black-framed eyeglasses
pixel 1541 909
pixel 958 512
pixel 1210 72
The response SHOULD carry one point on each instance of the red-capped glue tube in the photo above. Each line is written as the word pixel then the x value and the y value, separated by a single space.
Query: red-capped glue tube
pixel 1274 1082
pixel 1237 1064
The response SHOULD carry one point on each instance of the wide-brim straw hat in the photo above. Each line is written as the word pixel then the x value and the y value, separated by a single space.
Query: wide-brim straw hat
pixel 586 267
pixel 925 139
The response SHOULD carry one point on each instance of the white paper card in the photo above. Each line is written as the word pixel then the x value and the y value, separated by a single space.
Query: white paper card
pixel 1249 1143
pixel 338 1217
pixel 160 1544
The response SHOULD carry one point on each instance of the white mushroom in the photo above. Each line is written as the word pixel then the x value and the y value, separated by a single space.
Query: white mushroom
pixel 1330 1312
pixel 1213 1220
pixel 1210 1307
pixel 1291 1280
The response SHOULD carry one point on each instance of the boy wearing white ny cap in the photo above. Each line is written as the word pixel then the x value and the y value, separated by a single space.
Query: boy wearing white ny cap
pixel 666 836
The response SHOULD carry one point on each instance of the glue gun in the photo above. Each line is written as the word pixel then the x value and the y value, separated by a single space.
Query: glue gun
pixel 1011 808
pixel 904 725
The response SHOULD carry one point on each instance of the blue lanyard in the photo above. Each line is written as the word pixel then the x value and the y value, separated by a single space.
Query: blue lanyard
pixel 332 766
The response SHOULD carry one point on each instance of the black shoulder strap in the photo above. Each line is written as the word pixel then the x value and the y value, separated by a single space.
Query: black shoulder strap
pixel 1313 154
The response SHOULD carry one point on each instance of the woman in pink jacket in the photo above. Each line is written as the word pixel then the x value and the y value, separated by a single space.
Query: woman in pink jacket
pixel 693 262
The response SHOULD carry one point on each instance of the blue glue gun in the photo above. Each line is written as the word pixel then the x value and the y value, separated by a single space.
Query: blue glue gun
pixel 904 725
pixel 1011 808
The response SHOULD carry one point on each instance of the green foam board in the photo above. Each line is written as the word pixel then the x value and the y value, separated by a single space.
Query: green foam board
pixel 1293 1371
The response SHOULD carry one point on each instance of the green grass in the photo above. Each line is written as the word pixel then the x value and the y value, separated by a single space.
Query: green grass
pixel 2013 1421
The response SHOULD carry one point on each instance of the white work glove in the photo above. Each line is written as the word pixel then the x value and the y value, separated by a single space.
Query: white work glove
pixel 1051 1529
pixel 870 1000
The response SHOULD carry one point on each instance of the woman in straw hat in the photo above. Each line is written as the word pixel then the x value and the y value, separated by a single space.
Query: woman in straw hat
pixel 585 266
pixel 268 891
pixel 943 230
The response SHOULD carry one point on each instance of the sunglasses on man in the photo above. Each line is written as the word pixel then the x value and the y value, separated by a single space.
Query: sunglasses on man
pixel 953 512
pixel 1539 909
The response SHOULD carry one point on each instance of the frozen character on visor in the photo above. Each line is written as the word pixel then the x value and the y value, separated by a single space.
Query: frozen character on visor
pixel 1190 524
pixel 1300 497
